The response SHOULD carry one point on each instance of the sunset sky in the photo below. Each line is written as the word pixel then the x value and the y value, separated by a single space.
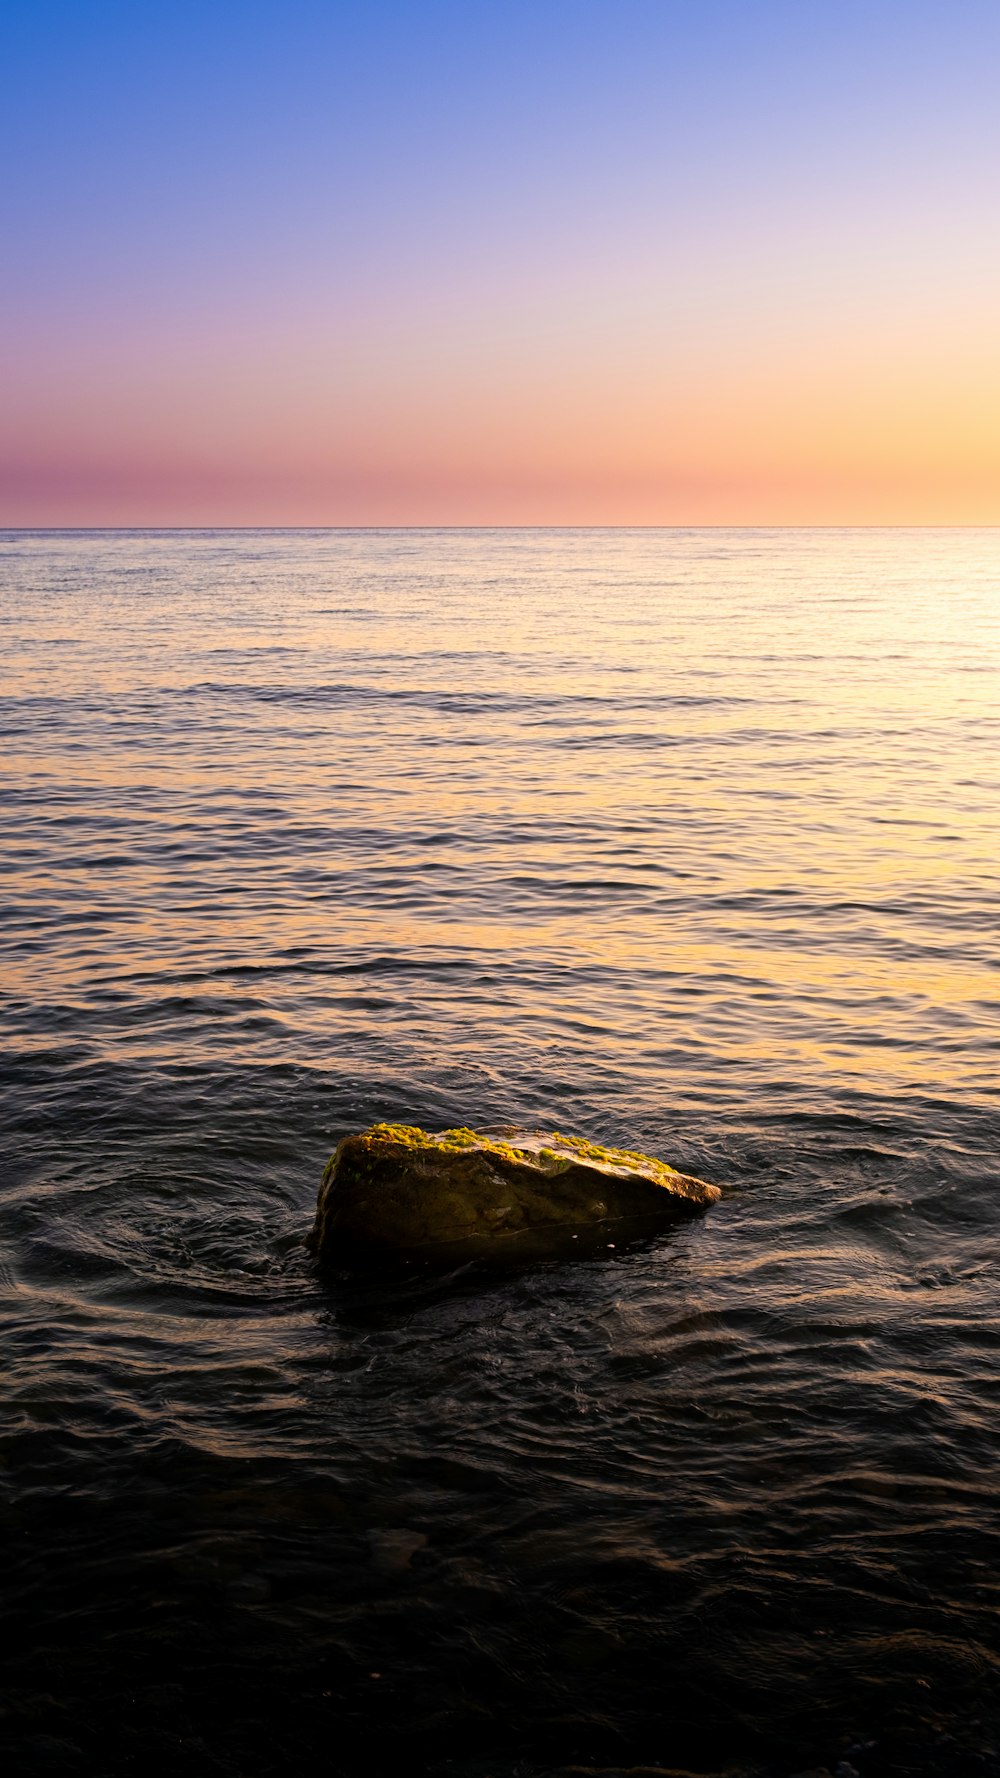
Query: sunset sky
pixel 502 262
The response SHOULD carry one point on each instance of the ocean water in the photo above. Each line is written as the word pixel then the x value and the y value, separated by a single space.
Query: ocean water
pixel 686 840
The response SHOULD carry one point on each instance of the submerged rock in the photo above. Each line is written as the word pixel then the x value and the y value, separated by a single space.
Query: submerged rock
pixel 398 1189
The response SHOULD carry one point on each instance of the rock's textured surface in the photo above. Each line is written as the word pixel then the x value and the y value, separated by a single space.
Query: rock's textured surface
pixel 395 1188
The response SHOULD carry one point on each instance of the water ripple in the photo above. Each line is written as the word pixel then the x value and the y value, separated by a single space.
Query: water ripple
pixel 681 839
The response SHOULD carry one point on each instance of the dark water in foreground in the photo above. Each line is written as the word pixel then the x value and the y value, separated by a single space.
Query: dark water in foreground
pixel 685 840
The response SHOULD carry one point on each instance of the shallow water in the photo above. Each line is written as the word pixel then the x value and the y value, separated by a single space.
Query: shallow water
pixel 684 840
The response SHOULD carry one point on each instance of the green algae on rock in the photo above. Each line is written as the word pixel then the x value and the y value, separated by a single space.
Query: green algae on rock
pixel 395 1188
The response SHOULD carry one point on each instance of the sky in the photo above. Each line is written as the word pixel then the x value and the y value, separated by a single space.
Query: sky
pixel 560 262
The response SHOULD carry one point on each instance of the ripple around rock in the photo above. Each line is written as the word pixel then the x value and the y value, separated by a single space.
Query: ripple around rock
pixel 397 1189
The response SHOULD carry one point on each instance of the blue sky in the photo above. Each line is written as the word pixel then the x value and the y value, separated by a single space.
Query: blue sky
pixel 177 175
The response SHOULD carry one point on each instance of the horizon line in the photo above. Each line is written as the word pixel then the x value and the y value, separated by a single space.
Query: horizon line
pixel 714 525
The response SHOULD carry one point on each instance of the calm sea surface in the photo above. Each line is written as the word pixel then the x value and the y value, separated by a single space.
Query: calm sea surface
pixel 687 840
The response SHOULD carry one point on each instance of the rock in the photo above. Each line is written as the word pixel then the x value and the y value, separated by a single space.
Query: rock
pixel 397 1189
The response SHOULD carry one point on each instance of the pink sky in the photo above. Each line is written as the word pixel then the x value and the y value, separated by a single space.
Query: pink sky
pixel 661 274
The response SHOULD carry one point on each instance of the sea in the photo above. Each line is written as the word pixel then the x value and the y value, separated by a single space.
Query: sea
pixel 683 840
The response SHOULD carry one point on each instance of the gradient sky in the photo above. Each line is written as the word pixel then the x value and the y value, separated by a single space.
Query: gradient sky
pixel 641 261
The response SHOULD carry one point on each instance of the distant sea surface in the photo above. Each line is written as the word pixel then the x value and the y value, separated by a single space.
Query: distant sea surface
pixel 685 840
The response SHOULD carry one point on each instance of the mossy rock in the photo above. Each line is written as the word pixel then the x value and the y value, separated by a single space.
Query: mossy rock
pixel 397 1189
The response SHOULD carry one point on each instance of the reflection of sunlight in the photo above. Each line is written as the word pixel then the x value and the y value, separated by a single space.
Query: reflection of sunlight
pixel 724 791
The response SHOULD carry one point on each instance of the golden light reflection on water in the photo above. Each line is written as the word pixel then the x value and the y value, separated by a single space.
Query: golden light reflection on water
pixel 700 794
